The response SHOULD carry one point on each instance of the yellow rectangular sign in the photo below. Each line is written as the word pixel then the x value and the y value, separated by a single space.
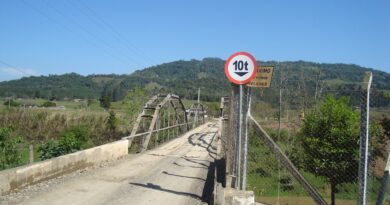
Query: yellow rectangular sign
pixel 263 77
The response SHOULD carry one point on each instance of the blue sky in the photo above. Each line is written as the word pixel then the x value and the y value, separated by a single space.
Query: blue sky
pixel 41 37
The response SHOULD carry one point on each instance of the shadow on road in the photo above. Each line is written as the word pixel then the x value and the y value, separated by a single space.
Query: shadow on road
pixel 195 162
pixel 203 143
pixel 189 177
pixel 179 165
pixel 207 189
pixel 157 187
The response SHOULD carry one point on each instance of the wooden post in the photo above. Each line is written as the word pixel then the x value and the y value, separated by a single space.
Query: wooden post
pixel 31 153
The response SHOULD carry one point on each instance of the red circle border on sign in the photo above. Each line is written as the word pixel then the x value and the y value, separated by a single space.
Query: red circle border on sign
pixel 227 65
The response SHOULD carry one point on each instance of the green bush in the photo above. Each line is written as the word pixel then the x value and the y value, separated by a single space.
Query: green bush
pixel 11 103
pixel 70 141
pixel 10 156
pixel 48 104
pixel 49 149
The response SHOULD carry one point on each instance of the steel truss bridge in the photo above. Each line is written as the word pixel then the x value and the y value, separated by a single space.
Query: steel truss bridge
pixel 163 117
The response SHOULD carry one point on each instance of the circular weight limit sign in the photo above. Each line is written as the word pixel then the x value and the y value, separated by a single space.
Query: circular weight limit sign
pixel 240 68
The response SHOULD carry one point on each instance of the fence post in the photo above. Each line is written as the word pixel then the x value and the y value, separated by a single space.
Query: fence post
pixel 364 138
pixel 31 153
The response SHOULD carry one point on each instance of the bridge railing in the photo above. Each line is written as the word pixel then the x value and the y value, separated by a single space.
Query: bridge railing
pixel 163 118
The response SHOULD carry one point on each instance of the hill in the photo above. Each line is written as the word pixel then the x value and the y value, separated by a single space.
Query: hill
pixel 185 77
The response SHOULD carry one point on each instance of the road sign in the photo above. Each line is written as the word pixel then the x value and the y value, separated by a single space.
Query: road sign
pixel 263 77
pixel 240 68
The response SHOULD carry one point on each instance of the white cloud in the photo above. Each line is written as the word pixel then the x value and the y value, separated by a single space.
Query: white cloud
pixel 19 71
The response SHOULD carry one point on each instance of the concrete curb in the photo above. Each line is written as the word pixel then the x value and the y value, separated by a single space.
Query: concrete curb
pixel 19 177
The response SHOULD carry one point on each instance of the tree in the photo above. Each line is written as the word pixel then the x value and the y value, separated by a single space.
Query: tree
pixel 112 121
pixel 385 123
pixel 105 102
pixel 134 101
pixel 329 139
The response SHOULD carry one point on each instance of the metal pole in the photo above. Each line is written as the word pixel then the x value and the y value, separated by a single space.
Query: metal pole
pixel 156 134
pixel 169 117
pixel 164 125
pixel 285 161
pixel 364 138
pixel 244 169
pixel 279 127
pixel 239 138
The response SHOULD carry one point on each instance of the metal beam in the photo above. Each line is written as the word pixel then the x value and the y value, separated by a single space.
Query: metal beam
pixel 139 118
pixel 285 161
pixel 153 122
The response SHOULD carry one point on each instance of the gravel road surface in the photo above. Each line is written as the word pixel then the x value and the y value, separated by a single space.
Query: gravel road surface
pixel 174 173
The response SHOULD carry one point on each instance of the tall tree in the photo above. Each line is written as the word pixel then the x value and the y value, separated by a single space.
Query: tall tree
pixel 105 102
pixel 329 139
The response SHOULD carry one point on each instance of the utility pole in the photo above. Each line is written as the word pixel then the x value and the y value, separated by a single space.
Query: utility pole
pixel 197 110
pixel 279 126
pixel 317 81
pixel 198 95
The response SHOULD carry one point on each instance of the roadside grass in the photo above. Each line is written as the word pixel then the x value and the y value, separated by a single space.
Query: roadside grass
pixel 25 154
pixel 299 200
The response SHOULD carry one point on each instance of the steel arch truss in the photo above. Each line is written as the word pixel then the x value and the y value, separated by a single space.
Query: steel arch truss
pixel 196 114
pixel 161 113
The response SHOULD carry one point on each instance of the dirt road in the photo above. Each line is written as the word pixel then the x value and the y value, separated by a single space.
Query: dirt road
pixel 174 173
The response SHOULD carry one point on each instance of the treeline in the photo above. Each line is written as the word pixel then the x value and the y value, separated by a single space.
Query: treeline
pixel 185 77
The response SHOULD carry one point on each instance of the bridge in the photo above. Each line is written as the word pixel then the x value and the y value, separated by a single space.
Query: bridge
pixel 173 155
pixel 167 159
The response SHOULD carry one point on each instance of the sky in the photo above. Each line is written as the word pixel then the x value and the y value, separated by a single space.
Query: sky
pixel 42 37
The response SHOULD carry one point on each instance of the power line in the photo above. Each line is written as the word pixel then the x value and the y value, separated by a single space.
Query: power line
pixel 64 26
pixel 85 30
pixel 14 67
pixel 117 35
pixel 100 26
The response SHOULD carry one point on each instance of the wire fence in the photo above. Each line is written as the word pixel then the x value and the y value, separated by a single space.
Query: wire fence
pixel 297 112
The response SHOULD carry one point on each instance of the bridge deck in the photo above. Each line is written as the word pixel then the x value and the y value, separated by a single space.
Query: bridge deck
pixel 174 173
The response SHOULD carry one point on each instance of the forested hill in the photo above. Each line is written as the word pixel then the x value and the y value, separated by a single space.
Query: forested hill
pixel 184 78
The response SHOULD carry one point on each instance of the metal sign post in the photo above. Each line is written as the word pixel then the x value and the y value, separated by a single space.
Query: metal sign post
pixel 240 69
pixel 238 138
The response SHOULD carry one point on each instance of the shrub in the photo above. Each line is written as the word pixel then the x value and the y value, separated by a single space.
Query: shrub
pixel 11 103
pixel 48 150
pixel 10 156
pixel 48 104
pixel 70 141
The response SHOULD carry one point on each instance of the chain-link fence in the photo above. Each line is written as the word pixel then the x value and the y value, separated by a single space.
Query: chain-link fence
pixel 314 118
